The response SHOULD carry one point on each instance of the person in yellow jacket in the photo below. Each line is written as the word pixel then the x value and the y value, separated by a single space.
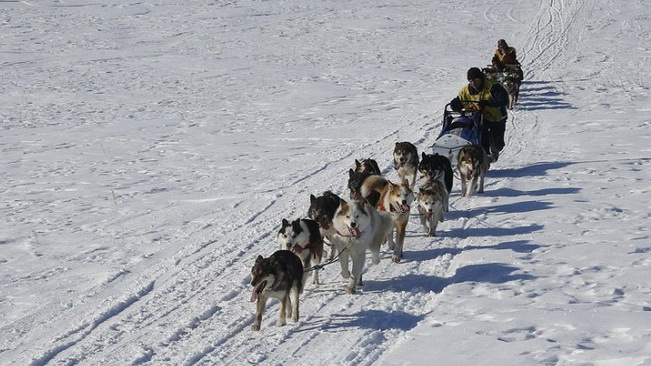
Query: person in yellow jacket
pixel 490 97
pixel 505 56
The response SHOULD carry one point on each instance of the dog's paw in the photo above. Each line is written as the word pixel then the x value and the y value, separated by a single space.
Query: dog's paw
pixel 281 323
pixel 395 258
pixel 255 327
pixel 345 274
pixel 425 229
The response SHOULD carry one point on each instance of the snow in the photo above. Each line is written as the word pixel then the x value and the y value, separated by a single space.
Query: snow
pixel 151 149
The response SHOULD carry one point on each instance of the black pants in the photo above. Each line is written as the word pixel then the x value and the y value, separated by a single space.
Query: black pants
pixel 492 136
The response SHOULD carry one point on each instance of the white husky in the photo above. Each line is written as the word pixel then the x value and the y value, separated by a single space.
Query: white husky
pixel 360 227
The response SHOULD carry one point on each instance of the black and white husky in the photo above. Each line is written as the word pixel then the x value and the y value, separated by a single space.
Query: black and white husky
pixel 437 167
pixel 303 237
pixel 322 210
pixel 363 169
pixel 281 277
pixel 367 165
pixel 405 162
pixel 472 163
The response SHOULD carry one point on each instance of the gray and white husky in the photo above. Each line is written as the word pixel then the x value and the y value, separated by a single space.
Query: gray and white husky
pixel 435 166
pixel 360 227
pixel 472 164
pixel 302 237
pixel 281 277
pixel 432 199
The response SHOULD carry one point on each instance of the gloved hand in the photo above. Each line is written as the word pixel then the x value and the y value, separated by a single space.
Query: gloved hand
pixel 456 105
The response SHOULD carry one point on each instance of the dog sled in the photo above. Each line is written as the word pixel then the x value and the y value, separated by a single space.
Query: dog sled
pixel 458 130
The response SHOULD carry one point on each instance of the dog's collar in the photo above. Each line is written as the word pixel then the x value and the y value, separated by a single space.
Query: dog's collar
pixel 340 234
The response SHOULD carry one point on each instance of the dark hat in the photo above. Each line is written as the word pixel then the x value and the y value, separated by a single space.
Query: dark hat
pixel 474 73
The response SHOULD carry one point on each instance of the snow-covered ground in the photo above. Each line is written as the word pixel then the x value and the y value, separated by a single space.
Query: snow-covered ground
pixel 151 149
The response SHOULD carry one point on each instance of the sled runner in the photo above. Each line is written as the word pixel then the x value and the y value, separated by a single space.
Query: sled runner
pixel 458 130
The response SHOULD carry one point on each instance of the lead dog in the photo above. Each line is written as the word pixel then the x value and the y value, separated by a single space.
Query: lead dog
pixel 396 200
pixel 437 167
pixel 303 238
pixel 472 163
pixel 360 227
pixel 280 276
pixel 432 198
pixel 405 161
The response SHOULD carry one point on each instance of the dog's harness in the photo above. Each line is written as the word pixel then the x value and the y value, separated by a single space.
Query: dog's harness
pixel 307 246
pixel 321 266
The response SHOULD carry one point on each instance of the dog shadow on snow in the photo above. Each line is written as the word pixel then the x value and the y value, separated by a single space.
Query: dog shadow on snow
pixel 373 319
pixel 495 273
pixel 538 95
pixel 534 170
pixel 418 283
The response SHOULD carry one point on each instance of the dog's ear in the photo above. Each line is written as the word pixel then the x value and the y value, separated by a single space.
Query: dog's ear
pixel 423 155
pixel 259 259
pixel 285 222
pixel 351 173
pixel 357 163
pixel 312 198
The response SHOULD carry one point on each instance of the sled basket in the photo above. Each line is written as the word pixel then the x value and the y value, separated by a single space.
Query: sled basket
pixel 458 130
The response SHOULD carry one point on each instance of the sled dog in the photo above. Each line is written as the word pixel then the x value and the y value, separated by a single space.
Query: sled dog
pixel 280 276
pixel 303 237
pixel 432 198
pixel 360 227
pixel 367 166
pixel 405 161
pixel 472 163
pixel 437 167
pixel 355 180
pixel 322 210
pixel 396 200
pixel 512 86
